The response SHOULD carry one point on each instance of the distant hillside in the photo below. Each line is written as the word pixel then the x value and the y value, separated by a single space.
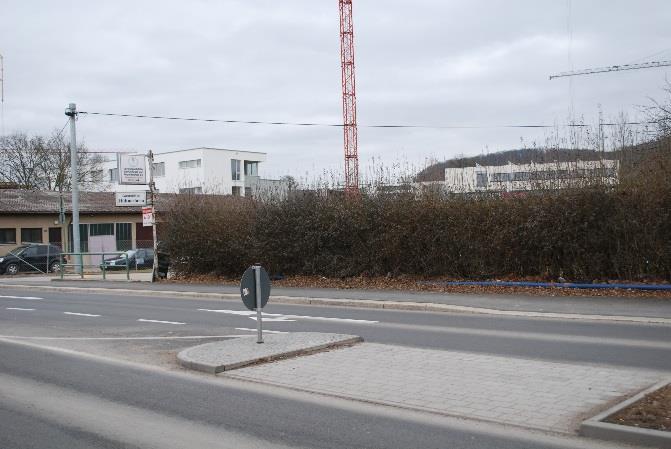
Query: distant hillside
pixel 436 172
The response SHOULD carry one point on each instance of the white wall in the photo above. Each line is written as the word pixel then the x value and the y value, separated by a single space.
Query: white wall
pixel 213 176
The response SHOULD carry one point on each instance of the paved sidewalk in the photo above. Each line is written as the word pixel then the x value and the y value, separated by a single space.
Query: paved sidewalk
pixel 528 393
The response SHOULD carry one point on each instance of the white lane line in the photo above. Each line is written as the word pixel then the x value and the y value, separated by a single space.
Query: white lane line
pixel 283 317
pixel 80 314
pixel 189 337
pixel 19 308
pixel 19 297
pixel 159 321
pixel 254 330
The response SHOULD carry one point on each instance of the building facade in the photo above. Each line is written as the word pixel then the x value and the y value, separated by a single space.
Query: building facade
pixel 197 170
pixel 35 217
pixel 528 177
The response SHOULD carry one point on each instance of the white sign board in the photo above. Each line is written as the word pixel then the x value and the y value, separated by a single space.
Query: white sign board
pixel 147 216
pixel 131 198
pixel 132 169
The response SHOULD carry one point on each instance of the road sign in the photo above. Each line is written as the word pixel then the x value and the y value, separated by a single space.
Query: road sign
pixel 147 216
pixel 132 168
pixel 131 198
pixel 248 288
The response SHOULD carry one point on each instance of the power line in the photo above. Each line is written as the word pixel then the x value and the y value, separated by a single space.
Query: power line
pixel 339 125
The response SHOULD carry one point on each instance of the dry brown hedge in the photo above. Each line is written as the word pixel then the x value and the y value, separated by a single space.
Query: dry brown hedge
pixel 587 234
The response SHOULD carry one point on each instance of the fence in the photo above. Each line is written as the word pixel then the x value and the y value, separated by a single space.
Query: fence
pixel 104 266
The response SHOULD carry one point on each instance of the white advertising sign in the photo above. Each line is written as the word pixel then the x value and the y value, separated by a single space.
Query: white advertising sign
pixel 132 169
pixel 147 216
pixel 131 198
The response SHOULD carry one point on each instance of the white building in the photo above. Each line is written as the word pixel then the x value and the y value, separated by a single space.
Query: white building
pixel 526 177
pixel 198 170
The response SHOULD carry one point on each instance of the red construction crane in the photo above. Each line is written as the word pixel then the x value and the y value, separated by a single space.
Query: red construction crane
pixel 348 97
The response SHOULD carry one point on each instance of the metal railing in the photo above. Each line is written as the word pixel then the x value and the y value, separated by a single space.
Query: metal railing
pixel 102 265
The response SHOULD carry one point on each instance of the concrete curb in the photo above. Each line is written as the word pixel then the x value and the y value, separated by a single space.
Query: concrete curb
pixel 227 355
pixel 364 303
pixel 595 427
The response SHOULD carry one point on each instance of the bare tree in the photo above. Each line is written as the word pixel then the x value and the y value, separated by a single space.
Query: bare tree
pixel 660 112
pixel 39 163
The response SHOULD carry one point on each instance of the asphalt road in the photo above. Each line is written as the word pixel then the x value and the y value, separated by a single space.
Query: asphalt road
pixel 89 389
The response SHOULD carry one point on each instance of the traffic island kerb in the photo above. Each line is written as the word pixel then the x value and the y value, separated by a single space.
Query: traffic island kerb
pixel 596 427
pixel 239 352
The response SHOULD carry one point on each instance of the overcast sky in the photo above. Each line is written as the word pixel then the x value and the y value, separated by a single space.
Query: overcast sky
pixel 424 62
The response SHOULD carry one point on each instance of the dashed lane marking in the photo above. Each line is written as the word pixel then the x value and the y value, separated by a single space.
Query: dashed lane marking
pixel 81 314
pixel 19 297
pixel 19 308
pixel 159 321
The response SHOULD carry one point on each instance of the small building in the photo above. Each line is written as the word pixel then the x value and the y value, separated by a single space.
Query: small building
pixel 198 170
pixel 35 217
pixel 528 177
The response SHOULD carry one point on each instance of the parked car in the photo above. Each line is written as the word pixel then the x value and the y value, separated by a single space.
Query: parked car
pixel 33 257
pixel 137 258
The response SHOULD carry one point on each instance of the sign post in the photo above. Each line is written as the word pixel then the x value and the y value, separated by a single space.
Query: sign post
pixel 259 323
pixel 255 291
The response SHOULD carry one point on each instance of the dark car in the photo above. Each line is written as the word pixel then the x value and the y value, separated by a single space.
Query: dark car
pixel 137 258
pixel 37 257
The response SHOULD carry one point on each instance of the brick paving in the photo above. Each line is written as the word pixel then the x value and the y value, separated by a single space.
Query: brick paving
pixel 537 394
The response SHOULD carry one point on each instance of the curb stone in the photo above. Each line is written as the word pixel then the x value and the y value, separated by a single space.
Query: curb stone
pixel 237 353
pixel 595 427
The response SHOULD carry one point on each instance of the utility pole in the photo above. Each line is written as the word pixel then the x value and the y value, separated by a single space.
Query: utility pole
pixel 71 112
pixel 152 188
pixel 2 94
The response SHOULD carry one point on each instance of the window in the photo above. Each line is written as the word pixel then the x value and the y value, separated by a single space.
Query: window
pixel 481 179
pixel 31 235
pixel 191 190
pixel 159 169
pixel 235 169
pixel 7 235
pixel 500 177
pixel 248 191
pixel 251 168
pixel 237 191
pixel 124 238
pixel 113 174
pixel 83 238
pixel 521 176
pixel 101 229
pixel 193 163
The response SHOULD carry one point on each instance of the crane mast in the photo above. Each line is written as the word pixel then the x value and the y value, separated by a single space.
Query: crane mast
pixel 349 97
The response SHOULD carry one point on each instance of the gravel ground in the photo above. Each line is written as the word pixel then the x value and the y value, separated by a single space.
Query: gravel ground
pixel 651 412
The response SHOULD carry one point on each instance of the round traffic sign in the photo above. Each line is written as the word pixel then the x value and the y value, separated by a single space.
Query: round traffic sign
pixel 248 287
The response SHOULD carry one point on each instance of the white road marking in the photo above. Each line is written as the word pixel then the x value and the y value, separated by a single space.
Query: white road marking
pixel 19 308
pixel 19 297
pixel 159 321
pixel 80 314
pixel 283 317
pixel 254 330
pixel 180 337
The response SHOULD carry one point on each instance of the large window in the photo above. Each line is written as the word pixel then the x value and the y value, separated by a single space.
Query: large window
pixel 235 169
pixel 113 174
pixel 236 191
pixel 31 235
pixel 251 168
pixel 7 235
pixel 124 237
pixel 101 229
pixel 159 169
pixel 193 163
pixel 193 190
